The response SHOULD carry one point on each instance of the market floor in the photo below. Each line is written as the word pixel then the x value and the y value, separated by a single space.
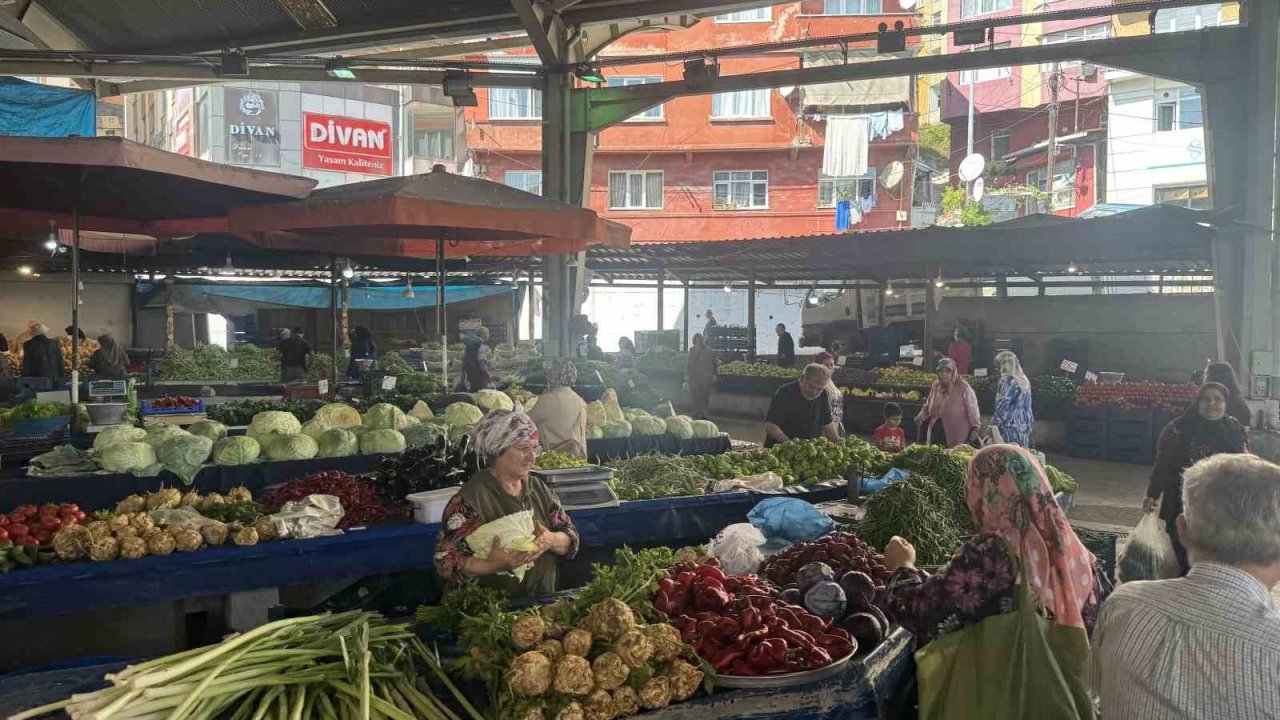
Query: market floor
pixel 1110 496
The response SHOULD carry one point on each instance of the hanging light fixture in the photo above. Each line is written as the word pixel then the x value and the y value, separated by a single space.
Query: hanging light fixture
pixel 408 288
pixel 728 288
pixel 939 282
pixel 348 272
pixel 888 289
pixel 227 268
pixel 1071 267
pixel 25 270
pixel 51 243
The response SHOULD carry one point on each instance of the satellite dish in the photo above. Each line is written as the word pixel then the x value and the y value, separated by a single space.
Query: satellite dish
pixel 906 4
pixel 972 166
pixel 891 175
pixel 979 187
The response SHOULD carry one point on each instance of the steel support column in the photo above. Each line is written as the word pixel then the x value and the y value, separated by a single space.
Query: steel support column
pixel 751 319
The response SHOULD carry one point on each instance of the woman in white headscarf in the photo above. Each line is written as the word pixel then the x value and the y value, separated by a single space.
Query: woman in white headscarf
pixel 507 442
pixel 1013 416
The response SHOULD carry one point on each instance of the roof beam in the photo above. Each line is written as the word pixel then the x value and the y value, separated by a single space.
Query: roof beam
pixel 544 29
pixel 451 50
pixel 611 11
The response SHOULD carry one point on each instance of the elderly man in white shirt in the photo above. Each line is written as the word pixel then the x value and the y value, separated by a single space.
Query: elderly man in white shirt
pixel 1205 646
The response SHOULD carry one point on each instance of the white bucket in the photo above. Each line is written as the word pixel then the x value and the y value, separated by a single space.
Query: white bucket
pixel 428 507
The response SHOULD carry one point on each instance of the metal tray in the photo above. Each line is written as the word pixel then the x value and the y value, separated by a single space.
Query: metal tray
pixel 771 682
pixel 566 476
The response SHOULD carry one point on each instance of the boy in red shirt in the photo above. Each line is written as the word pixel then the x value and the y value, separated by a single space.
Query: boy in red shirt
pixel 890 436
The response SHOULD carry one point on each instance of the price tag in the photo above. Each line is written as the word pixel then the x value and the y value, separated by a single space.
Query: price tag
pixel 1069 366
pixel 323 387
pixel 235 363
pixel 918 361
pixel 840 361
pixel 905 350
pixel 389 382
pixel 979 372
pixel 1090 376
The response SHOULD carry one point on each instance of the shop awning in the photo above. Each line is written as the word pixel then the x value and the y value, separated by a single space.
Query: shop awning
pixel 242 298
pixel 404 216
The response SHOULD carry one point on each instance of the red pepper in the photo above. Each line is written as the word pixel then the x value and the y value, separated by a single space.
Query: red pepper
pixel 751 619
pixel 747 639
pixel 711 598
pixel 710 571
pixel 771 653
pixel 726 658
pixel 740 667
pixel 666 585
pixel 818 657
pixel 727 627
pixel 685 579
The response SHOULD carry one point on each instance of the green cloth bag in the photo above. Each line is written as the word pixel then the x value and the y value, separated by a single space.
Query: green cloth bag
pixel 1006 667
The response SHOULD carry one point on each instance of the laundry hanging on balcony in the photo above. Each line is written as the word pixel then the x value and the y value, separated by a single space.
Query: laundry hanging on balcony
pixel 847 143
pixel 885 123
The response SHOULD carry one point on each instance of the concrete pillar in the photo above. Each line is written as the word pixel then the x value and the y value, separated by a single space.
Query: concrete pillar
pixel 684 336
pixel 751 319
pixel 930 313
pixel 661 278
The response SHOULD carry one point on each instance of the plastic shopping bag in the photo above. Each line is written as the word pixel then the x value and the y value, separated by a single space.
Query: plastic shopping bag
pixel 1148 554
pixel 790 519
pixel 1013 665
pixel 764 482
pixel 737 547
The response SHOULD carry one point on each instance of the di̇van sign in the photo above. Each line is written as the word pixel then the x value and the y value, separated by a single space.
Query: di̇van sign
pixel 346 144
pixel 253 130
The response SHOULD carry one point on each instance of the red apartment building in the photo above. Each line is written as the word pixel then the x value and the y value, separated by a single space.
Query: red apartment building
pixel 1012 106
pixel 730 166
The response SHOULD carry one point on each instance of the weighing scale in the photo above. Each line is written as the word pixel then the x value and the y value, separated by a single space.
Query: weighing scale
pixel 581 488
pixel 103 395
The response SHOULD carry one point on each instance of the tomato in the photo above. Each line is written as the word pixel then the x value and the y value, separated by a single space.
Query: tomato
pixel 4 535
pixel 70 507
pixel 48 508
pixel 18 529
pixel 50 523
pixel 41 537
pixel 25 540
pixel 80 516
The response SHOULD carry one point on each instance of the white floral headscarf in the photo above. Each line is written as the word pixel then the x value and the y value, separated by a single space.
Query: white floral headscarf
pixel 500 430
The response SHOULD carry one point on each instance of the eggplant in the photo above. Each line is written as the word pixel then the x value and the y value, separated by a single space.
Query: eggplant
pixel 858 587
pixel 865 629
pixel 825 599
pixel 813 573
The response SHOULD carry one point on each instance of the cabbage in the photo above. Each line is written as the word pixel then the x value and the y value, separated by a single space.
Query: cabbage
pixel 686 418
pixel 647 425
pixel 705 429
pixel 514 533
pixel 612 409
pixel 385 416
pixel 337 442
pixel 423 434
pixel 158 435
pixel 290 447
pixel 490 400
pixel 594 432
pixel 183 456
pixel 122 457
pixel 620 429
pixel 315 428
pixel 462 414
pixel 113 434
pixel 273 421
pixel 596 413
pixel 665 410
pixel 211 429
pixel 421 410
pixel 528 404
pixel 239 450
pixel 381 441
pixel 630 414
pixel 680 428
pixel 337 415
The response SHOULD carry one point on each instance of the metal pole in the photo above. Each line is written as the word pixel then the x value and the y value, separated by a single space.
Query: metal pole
pixel 969 142
pixel 661 279
pixel 75 298
pixel 929 298
pixel 751 319
pixel 1052 149
pixel 333 318
pixel 684 339
pixel 440 316
pixel 533 308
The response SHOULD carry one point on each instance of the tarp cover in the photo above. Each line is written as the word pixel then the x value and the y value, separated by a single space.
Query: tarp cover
pixel 227 298
pixel 854 93
pixel 36 110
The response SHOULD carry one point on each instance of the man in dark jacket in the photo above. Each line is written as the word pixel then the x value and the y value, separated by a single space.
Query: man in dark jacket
pixel 786 347
pixel 41 356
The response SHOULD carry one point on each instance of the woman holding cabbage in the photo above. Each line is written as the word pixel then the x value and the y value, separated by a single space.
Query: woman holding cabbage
pixel 529 529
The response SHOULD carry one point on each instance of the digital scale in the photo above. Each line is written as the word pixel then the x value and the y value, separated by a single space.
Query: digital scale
pixel 107 403
pixel 581 488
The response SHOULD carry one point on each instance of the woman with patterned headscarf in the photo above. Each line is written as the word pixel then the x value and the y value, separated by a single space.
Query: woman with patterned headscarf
pixel 1013 416
pixel 1019 524
pixel 950 415
pixel 508 444
pixel 559 413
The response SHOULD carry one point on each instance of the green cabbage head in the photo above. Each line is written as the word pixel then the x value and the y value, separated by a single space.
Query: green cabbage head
pixel 239 450
pixel 123 457
pixel 315 427
pixel 705 429
pixel 385 416
pixel 117 434
pixel 273 421
pixel 680 428
pixel 461 414
pixel 211 429
pixel 337 442
pixel 290 447
pixel 617 429
pixel 183 456
pixel 594 432
pixel 381 441
pixel 161 434
pixel 424 434
pixel 338 415
pixel 490 400
pixel 647 425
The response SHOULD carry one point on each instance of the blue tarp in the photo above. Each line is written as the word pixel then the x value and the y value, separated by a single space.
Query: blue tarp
pixel 359 298
pixel 35 110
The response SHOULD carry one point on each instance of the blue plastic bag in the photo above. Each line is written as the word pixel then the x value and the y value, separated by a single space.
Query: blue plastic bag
pixel 875 485
pixel 790 519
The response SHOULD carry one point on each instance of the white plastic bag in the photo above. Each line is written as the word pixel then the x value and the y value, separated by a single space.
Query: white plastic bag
pixel 737 547
pixel 1148 554
pixel 311 517
pixel 763 482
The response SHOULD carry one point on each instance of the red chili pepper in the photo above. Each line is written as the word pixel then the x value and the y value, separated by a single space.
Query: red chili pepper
pixel 818 657
pixel 727 627
pixel 741 667
pixel 666 585
pixel 726 657
pixel 710 571
pixel 747 639
pixel 711 598
pixel 751 619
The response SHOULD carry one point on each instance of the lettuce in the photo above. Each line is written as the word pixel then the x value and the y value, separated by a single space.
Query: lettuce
pixel 211 429
pixel 183 456
pixel 290 447
pixel 239 450
pixel 117 434
pixel 337 415
pixel 337 442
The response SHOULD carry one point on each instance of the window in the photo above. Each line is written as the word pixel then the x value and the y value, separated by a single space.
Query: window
pixel 936 18
pixel 750 104
pixel 529 181
pixel 970 8
pixel 1187 18
pixel 834 189
pixel 763 14
pixel 1092 32
pixel 1179 110
pixel 739 189
pixel 436 143
pixel 651 113
pixel 515 103
pixel 853 7
pixel 985 74
pixel 635 189
pixel 1195 197
pixel 999 145
pixel 1064 182
pixel 924 194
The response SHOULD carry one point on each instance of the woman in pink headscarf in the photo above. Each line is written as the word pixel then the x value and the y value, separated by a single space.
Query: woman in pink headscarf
pixel 1019 524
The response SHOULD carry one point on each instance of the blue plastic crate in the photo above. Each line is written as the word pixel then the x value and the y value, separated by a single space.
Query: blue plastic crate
pixel 145 408
pixel 39 428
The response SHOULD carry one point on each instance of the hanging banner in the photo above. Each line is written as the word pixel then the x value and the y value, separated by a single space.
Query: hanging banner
pixel 36 110
pixel 344 144
pixel 253 130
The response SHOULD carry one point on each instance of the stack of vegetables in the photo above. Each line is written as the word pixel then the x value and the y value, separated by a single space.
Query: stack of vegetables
pixel 26 530
pixel 606 418
pixel 1138 395
pixel 205 363
pixel 359 498
pixel 657 476
pixel 441 463
pixel 348 665
pixel 32 410
pixel 739 368
pixel 554 460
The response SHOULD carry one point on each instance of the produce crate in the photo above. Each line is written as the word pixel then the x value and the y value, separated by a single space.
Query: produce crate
pixel 1130 436
pixel 39 428
pixel 1087 433
pixel 145 407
